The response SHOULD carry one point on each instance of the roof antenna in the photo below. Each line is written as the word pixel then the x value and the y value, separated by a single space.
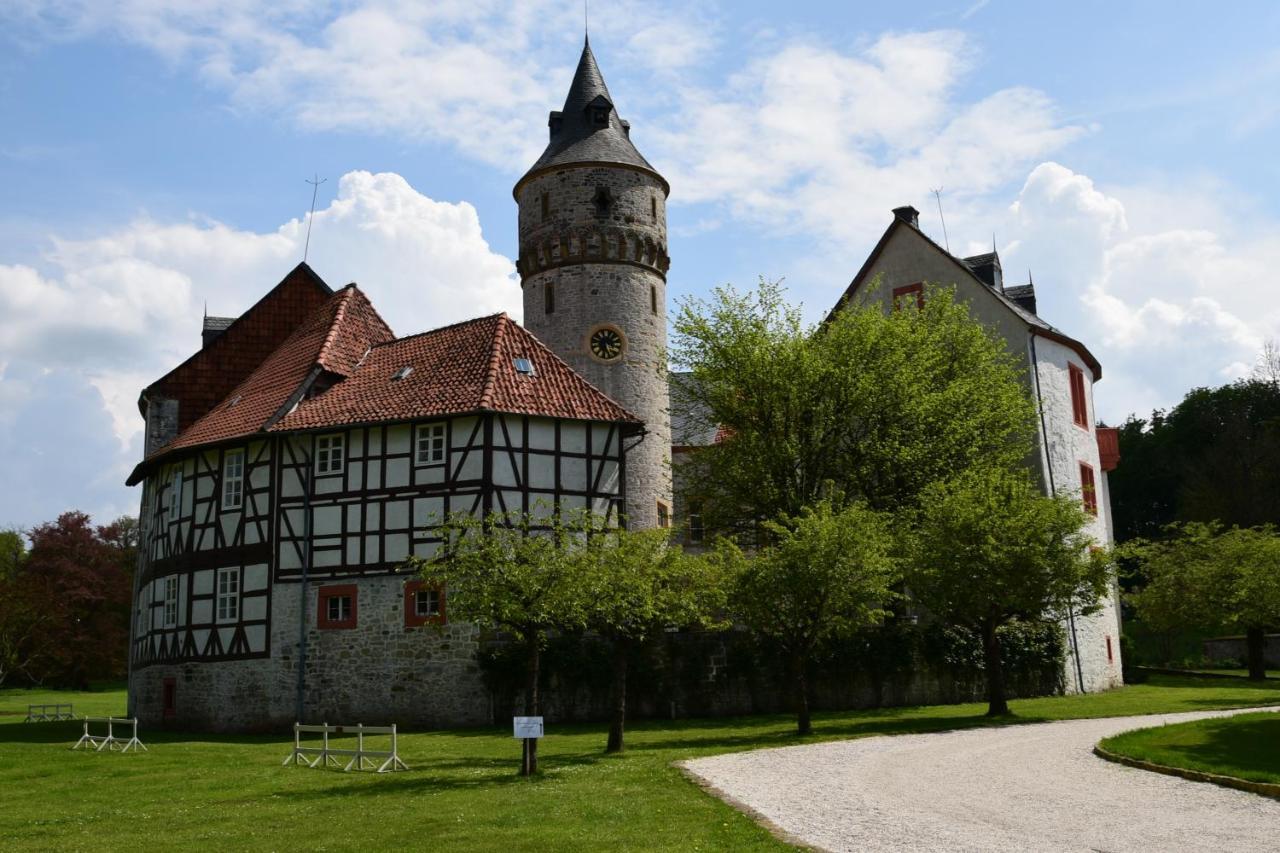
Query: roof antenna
pixel 315 188
pixel 937 194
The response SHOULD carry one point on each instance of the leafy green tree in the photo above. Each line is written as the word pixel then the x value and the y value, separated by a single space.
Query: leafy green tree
pixel 1204 576
pixel 638 584
pixel 515 572
pixel 991 548
pixel 876 404
pixel 826 573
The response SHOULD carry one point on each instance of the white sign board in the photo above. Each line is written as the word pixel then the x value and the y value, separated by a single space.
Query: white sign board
pixel 527 727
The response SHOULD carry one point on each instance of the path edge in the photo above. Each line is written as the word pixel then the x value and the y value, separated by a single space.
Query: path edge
pixel 783 835
pixel 1265 789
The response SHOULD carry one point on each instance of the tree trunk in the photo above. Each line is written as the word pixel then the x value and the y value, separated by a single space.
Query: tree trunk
pixel 529 762
pixel 1256 642
pixel 997 702
pixel 803 724
pixel 621 648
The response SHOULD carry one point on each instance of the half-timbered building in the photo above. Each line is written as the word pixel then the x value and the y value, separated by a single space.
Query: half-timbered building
pixel 276 524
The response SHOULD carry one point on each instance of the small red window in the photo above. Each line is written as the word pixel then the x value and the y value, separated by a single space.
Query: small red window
pixel 170 705
pixel 336 606
pixel 423 604
pixel 1079 400
pixel 1088 489
pixel 902 295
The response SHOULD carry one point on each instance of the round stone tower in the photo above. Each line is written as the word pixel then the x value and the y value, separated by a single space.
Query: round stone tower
pixel 593 267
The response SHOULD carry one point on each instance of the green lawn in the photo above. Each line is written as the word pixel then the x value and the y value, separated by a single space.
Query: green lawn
pixel 230 792
pixel 1246 746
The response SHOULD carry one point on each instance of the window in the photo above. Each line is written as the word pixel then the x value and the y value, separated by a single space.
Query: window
pixel 653 208
pixel 329 454
pixel 653 299
pixel 423 604
pixel 664 514
pixel 1079 402
pixel 228 594
pixel 430 444
pixel 175 494
pixel 170 601
pixel 523 365
pixel 600 116
pixel 337 607
pixel 546 206
pixel 1088 491
pixel 902 295
pixel 603 201
pixel 549 298
pixel 1110 654
pixel 233 479
pixel 697 533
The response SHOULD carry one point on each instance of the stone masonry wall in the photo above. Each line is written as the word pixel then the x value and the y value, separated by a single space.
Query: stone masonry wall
pixel 595 287
pixel 377 673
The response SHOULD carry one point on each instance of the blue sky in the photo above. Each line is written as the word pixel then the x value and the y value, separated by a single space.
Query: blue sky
pixel 153 155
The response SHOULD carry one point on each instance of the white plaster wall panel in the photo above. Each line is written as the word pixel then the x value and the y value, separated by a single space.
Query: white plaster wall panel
pixel 287 557
pixel 542 434
pixel 327 485
pixel 201 611
pixel 355 474
pixel 504 472
pixel 542 472
pixel 396 515
pixel 253 607
pixel 425 550
pixel 353 551
pixel 372 549
pixel 230 522
pixel 515 429
pixel 472 466
pixel 326 559
pixel 398 439
pixel 326 520
pixel 251 536
pixel 397 547
pixel 573 437
pixel 430 475
pixel 256 636
pixel 573 474
pixel 397 473
pixel 255 577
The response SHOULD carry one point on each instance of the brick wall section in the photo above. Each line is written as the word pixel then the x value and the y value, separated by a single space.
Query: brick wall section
pixel 204 379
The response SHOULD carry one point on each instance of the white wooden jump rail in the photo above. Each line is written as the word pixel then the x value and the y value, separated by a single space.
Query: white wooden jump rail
pixel 109 741
pixel 42 714
pixel 358 758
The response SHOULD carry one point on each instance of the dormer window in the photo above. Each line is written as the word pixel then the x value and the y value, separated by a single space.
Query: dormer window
pixel 603 201
pixel 598 111
pixel 555 122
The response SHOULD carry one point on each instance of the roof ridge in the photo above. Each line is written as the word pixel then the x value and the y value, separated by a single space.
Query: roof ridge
pixel 344 295
pixel 495 350
pixel 374 308
pixel 439 329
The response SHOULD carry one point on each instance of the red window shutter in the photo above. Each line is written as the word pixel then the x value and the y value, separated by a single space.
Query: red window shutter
pixel 326 593
pixel 1079 402
pixel 412 619
pixel 1088 490
pixel 902 295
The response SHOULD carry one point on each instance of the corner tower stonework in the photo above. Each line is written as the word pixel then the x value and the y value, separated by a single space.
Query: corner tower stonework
pixel 593 263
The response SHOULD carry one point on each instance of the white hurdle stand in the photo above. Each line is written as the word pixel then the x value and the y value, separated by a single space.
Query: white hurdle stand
pixel 42 714
pixel 109 741
pixel 358 758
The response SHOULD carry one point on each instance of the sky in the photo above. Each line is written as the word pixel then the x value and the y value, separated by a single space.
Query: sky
pixel 154 157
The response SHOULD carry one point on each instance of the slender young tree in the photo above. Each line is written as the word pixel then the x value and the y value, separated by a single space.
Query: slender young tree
pixel 825 574
pixel 639 585
pixel 990 548
pixel 517 573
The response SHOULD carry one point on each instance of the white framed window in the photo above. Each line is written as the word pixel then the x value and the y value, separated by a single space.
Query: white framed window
pixel 426 602
pixel 175 493
pixel 228 594
pixel 430 444
pixel 330 453
pixel 171 601
pixel 233 479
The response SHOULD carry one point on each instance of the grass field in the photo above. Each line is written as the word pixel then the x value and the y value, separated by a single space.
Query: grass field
pixel 230 792
pixel 1246 746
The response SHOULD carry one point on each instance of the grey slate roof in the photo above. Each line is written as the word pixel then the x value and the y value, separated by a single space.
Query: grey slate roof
pixel 217 324
pixel 1024 295
pixel 578 140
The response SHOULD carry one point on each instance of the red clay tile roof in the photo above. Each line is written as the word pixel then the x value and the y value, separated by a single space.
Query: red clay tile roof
pixel 332 339
pixel 208 377
pixel 467 367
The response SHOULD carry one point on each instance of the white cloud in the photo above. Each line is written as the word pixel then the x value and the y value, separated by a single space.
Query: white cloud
pixel 1169 291
pixel 110 314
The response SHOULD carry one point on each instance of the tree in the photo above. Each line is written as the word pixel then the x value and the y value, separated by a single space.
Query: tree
pixel 515 572
pixel 1214 457
pixel 20 613
pixel 877 405
pixel 826 573
pixel 1202 575
pixel 1268 367
pixel 990 548
pixel 638 585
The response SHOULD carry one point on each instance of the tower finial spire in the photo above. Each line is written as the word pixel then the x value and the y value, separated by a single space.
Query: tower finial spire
pixel 586 22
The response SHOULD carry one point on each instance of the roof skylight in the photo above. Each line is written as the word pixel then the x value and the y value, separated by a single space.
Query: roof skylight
pixel 401 374
pixel 523 365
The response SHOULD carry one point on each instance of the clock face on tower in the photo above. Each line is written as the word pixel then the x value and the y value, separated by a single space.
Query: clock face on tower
pixel 606 343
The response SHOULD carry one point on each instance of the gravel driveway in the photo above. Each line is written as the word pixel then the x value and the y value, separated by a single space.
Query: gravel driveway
pixel 1029 787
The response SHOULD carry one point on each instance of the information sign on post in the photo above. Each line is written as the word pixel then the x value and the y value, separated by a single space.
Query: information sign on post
pixel 528 727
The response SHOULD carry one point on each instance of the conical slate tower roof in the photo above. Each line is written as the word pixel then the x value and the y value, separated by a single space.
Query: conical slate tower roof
pixel 580 134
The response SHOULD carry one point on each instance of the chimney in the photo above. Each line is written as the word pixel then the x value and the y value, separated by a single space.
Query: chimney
pixel 908 214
